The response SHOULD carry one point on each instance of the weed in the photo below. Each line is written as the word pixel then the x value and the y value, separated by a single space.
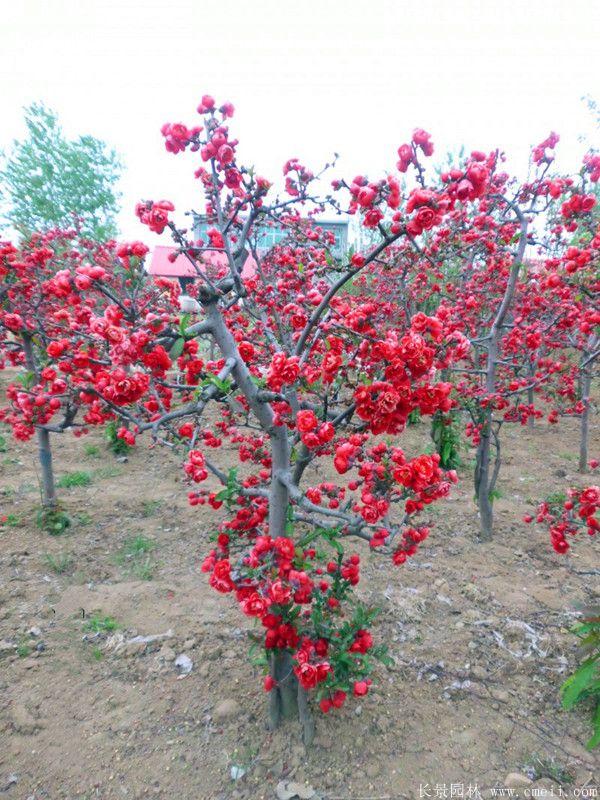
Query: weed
pixel 73 479
pixel 135 556
pixel 144 571
pixel 97 653
pixel 537 767
pixel 108 472
pixel 83 518
pixel 3 447
pixel 116 445
pixel 60 563
pixel 568 456
pixel 445 432
pixel 99 624
pixel 496 494
pixel 137 546
pixel 150 507
pixel 53 521
pixel 23 650
pixel 92 450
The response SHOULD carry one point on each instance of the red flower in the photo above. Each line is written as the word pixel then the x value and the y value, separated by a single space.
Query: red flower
pixel 306 421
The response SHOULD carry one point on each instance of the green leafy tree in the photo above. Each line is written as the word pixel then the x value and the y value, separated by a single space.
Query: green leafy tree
pixel 49 181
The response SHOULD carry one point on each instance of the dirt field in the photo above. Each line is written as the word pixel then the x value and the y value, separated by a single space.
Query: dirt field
pixel 479 634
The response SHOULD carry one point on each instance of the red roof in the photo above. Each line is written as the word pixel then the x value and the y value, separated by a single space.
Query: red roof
pixel 215 264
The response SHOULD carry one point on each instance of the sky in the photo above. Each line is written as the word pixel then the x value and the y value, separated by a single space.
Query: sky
pixel 307 78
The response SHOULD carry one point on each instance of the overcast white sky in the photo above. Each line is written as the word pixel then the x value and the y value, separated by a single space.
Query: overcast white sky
pixel 307 78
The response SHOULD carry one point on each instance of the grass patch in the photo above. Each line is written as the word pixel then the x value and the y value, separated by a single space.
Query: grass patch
pixel 83 518
pixel 23 650
pixel 135 557
pixel 144 570
pixel 97 653
pixel 74 479
pixel 108 472
pixel 92 450
pixel 568 456
pixel 59 563
pixel 150 507
pixel 53 521
pixel 137 546
pixel 99 624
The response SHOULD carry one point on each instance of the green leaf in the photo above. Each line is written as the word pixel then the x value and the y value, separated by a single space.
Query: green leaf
pixel 595 740
pixel 184 323
pixel 579 683
pixel 177 348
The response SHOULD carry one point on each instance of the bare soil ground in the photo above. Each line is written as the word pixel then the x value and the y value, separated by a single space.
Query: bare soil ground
pixel 479 634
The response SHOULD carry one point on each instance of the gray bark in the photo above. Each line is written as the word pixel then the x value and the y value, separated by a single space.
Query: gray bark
pixel 48 488
pixel 586 387
pixel 484 482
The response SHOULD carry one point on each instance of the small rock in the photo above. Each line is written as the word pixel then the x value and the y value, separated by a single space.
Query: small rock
pixel 166 653
pixel 10 781
pixel 35 632
pixel 7 648
pixel 501 694
pixel 121 459
pixel 23 721
pixel 441 598
pixel 372 770
pixel 358 711
pixel 290 791
pixel 184 664
pixel 479 673
pixel 237 772
pixel 189 644
pixel 515 780
pixel 40 647
pixel 560 473
pixel 226 709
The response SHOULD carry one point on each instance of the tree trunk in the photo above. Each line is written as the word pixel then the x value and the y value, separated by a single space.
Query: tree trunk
pixel 586 385
pixel 530 419
pixel 43 438
pixel 287 699
pixel 45 457
pixel 482 483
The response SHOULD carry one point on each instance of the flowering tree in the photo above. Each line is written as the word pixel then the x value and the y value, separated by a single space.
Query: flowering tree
pixel 75 315
pixel 518 324
pixel 570 276
pixel 313 372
